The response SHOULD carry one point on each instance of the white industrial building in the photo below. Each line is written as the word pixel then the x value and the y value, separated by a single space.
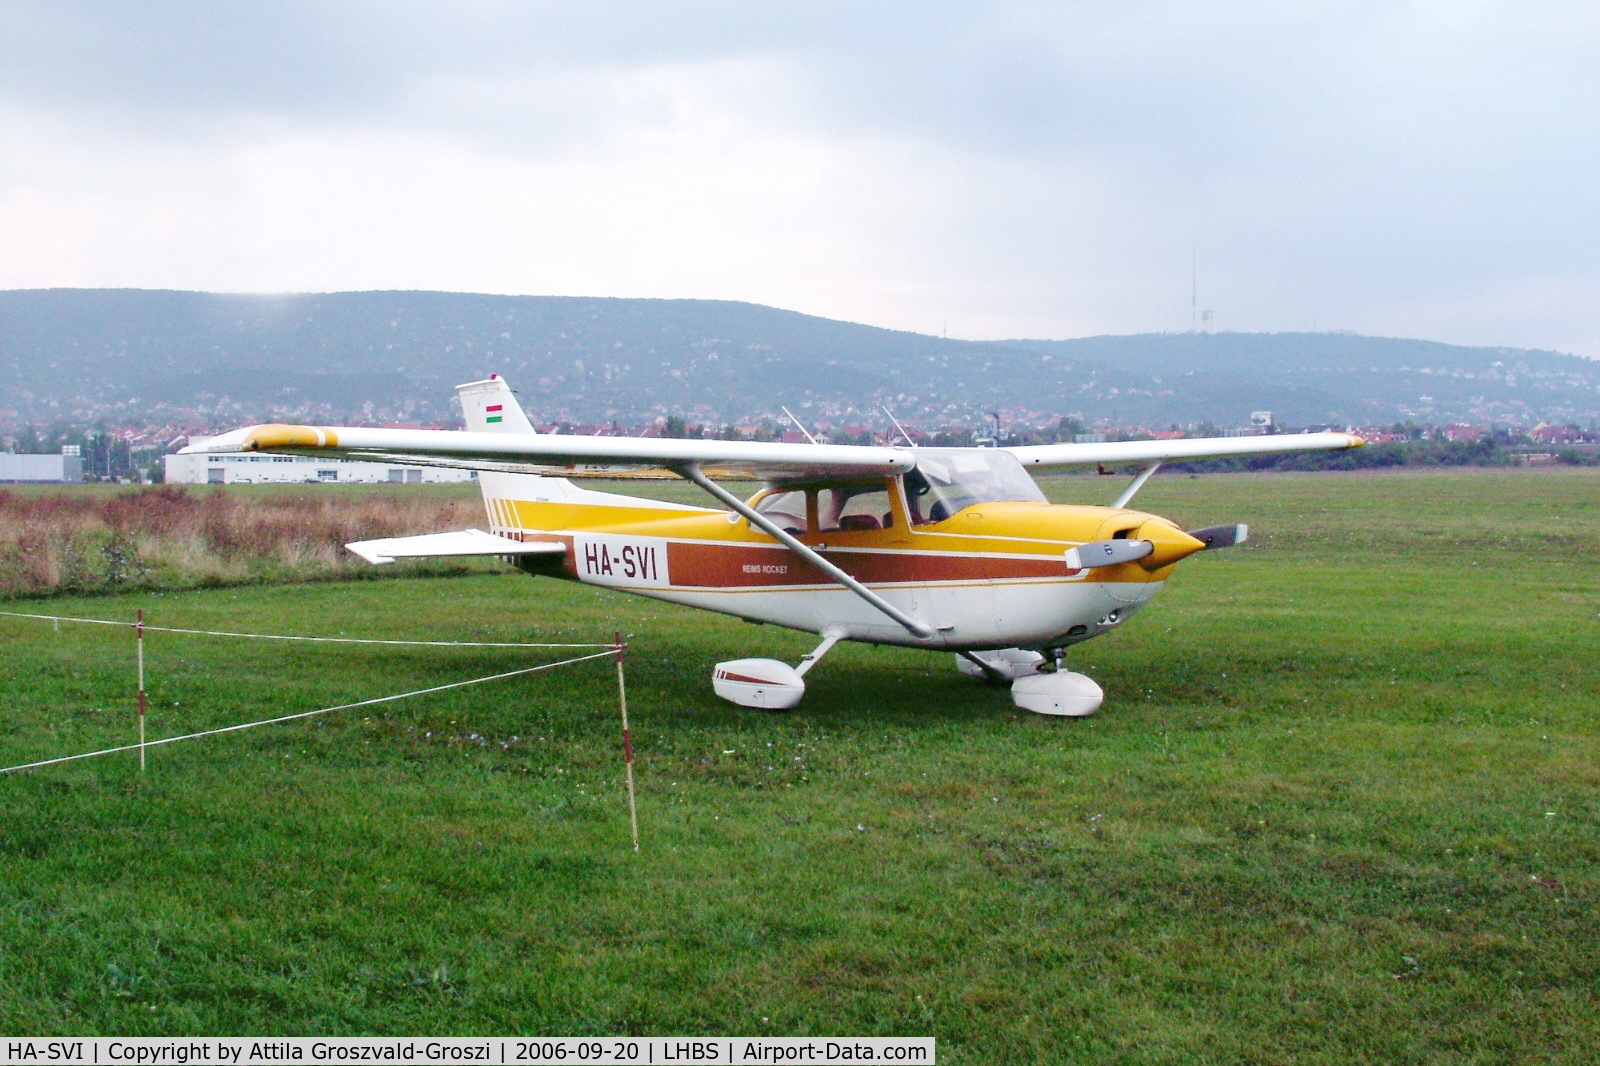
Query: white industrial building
pixel 63 469
pixel 250 468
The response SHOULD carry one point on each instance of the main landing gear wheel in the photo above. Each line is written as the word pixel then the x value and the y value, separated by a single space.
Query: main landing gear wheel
pixel 762 683
pixel 768 684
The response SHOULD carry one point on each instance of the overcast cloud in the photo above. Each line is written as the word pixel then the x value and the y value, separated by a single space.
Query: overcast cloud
pixel 994 169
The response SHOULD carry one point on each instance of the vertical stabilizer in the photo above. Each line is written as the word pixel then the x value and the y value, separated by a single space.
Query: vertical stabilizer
pixel 489 406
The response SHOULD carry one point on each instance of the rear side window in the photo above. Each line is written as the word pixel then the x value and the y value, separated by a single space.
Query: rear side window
pixel 854 508
pixel 786 509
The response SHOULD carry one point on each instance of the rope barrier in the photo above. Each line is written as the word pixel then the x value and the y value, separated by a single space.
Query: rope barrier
pixel 610 650
pixel 140 627
pixel 280 636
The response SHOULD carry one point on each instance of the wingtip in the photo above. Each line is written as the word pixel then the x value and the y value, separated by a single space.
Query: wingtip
pixel 234 440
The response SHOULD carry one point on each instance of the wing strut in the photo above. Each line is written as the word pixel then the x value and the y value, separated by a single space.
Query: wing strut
pixel 1138 483
pixel 760 521
pixel 897 425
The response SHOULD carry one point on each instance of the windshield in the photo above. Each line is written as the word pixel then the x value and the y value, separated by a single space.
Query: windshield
pixel 948 480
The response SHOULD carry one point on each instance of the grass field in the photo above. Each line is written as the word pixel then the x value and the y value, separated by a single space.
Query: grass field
pixel 1340 807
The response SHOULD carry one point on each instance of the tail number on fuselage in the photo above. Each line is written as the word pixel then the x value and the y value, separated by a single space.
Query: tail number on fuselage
pixel 622 561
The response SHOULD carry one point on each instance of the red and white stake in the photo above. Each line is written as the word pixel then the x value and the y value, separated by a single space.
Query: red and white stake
pixel 627 744
pixel 138 629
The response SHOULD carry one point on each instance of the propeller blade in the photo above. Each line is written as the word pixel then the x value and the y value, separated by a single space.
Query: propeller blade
pixel 1099 553
pixel 1222 536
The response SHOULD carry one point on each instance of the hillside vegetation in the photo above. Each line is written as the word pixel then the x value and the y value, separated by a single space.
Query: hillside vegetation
pixel 133 354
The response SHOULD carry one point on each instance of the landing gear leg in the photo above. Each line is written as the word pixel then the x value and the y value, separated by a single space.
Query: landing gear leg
pixel 830 637
pixel 1003 665
pixel 990 674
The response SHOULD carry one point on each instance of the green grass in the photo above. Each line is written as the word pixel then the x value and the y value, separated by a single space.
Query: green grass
pixel 1340 806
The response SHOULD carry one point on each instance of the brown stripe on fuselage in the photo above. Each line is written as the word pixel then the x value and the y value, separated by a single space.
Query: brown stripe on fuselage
pixel 725 564
pixel 712 565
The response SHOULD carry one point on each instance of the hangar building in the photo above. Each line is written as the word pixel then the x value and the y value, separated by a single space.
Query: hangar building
pixel 250 468
pixel 61 469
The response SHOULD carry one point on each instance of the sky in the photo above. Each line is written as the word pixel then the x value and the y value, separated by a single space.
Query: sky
pixel 985 170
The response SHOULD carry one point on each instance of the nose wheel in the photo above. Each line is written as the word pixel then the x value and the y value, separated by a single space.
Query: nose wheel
pixel 1039 682
pixel 1060 693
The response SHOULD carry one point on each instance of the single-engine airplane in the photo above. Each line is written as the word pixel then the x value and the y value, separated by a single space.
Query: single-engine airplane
pixel 951 549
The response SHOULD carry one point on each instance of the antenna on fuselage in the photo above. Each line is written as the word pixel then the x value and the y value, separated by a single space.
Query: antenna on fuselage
pixel 797 424
pixel 897 424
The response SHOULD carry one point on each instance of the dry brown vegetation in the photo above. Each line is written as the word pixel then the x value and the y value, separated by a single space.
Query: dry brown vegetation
pixel 81 540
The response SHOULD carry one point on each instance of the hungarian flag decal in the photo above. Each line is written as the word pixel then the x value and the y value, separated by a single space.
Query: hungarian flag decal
pixel 493 412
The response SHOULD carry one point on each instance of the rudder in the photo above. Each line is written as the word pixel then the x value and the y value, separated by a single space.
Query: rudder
pixel 490 407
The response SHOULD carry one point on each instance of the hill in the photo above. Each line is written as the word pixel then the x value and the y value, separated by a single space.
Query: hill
pixel 87 354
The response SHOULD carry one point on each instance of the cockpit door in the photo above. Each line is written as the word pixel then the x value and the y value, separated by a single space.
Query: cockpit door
pixel 860 526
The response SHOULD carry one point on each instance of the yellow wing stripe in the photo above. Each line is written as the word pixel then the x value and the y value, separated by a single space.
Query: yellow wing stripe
pixel 279 435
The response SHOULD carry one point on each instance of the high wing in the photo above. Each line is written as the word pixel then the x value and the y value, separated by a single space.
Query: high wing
pixel 499 437
pixel 545 453
pixel 1159 451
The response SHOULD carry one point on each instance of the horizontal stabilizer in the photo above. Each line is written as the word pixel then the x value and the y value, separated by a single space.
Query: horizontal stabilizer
pixel 461 542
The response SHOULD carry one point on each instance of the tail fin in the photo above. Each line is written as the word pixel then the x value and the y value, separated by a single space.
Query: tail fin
pixel 488 405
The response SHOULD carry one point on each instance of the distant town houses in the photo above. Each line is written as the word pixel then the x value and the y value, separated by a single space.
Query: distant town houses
pixel 146 453
pixel 1544 433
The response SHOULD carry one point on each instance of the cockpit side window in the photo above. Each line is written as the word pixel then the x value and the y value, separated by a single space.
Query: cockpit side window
pixel 951 480
pixel 923 505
